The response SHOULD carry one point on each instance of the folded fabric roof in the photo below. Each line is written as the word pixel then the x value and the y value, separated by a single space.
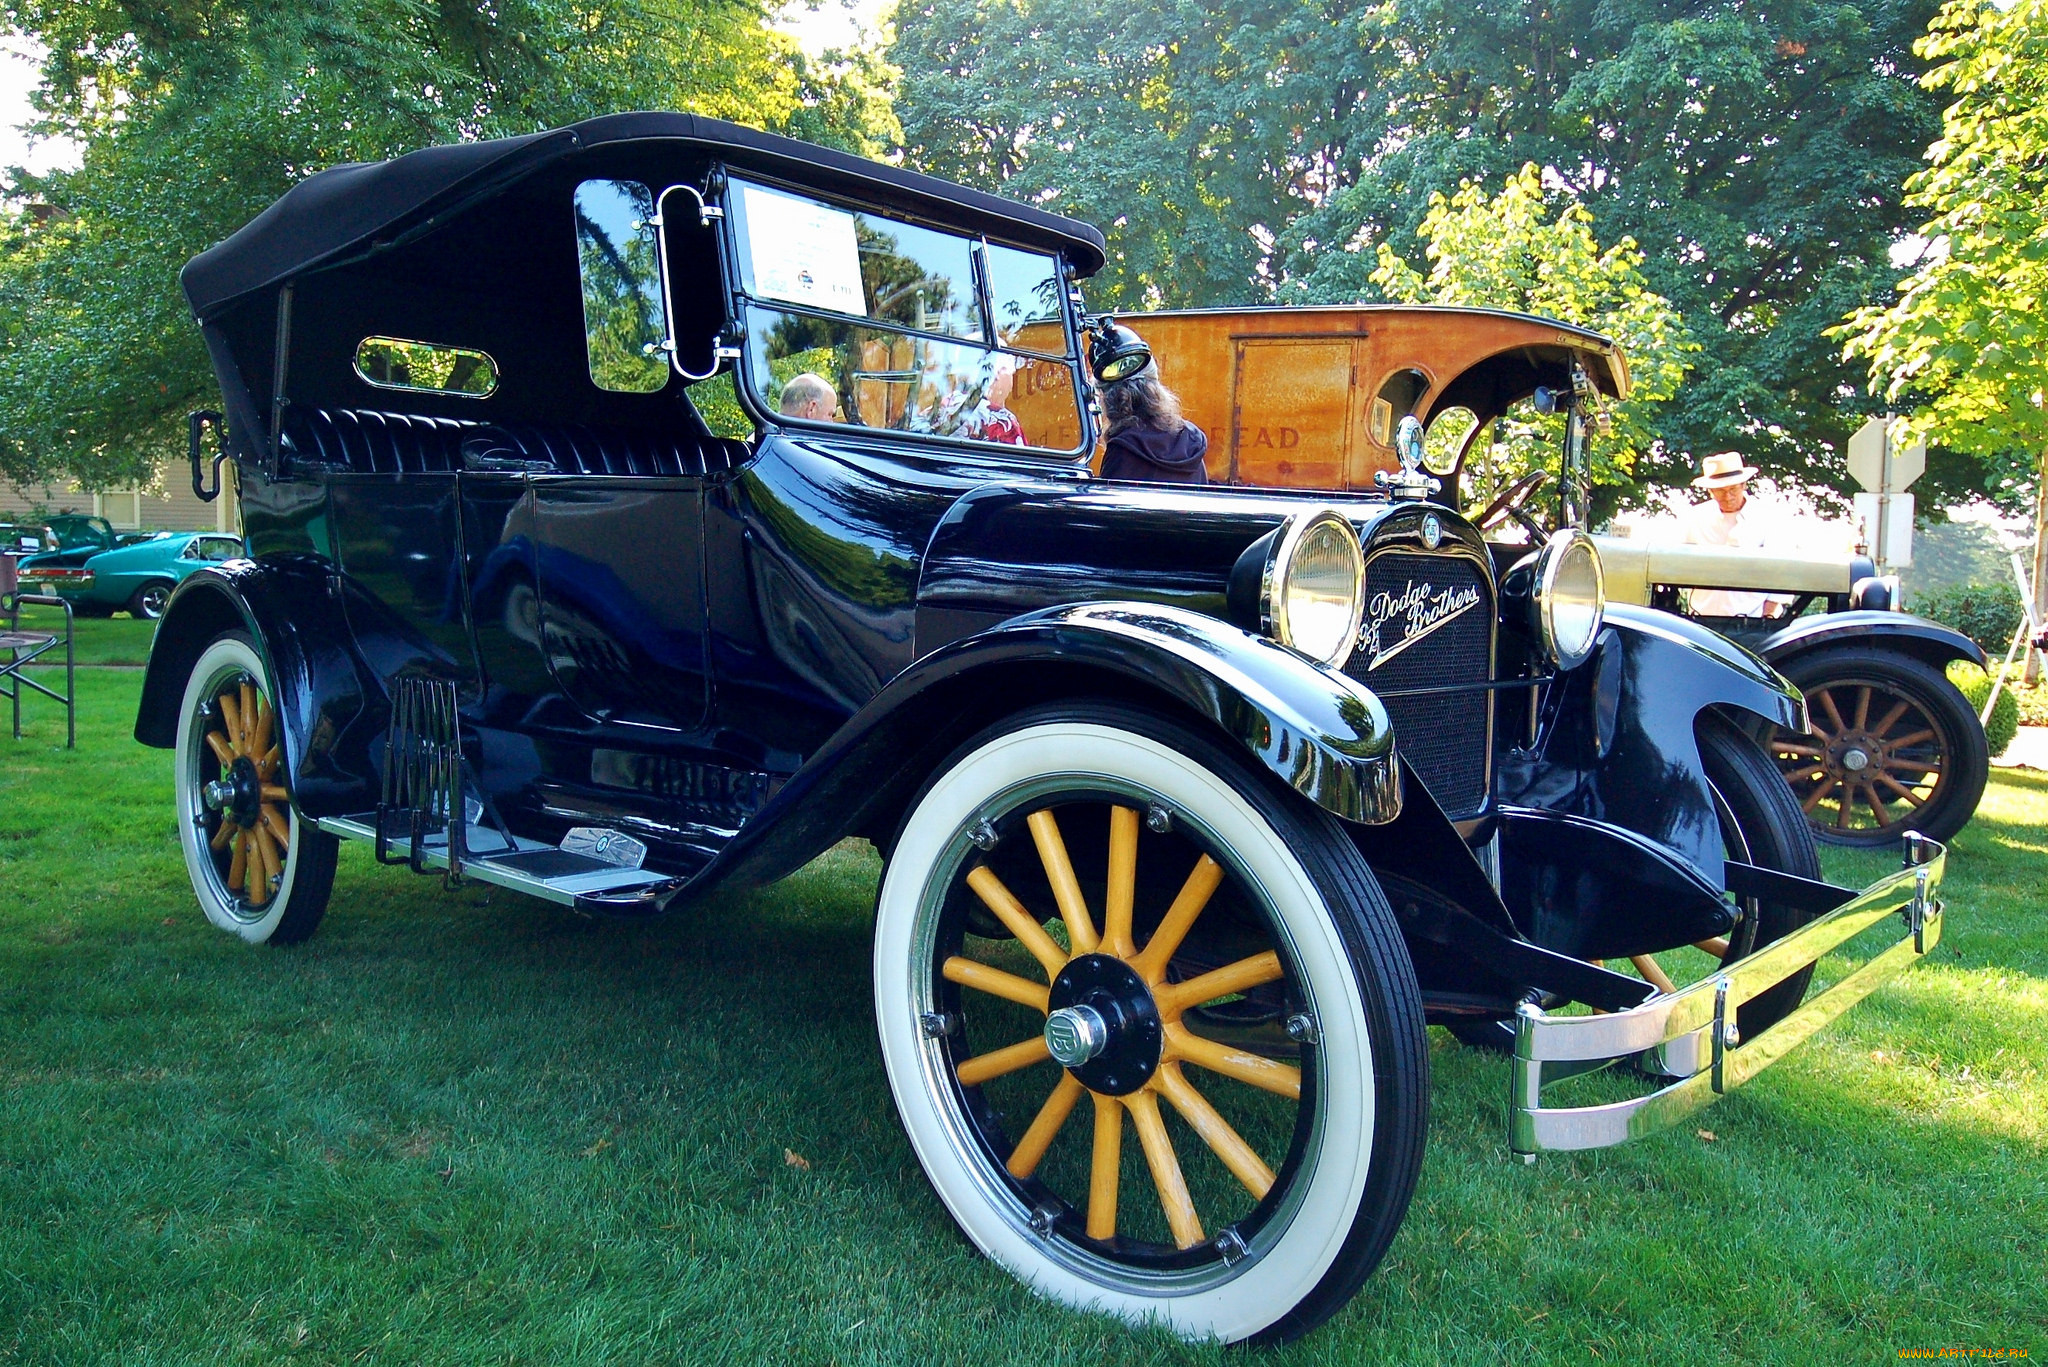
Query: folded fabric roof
pixel 346 208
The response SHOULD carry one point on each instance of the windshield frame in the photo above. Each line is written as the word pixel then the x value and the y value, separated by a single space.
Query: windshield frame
pixel 721 184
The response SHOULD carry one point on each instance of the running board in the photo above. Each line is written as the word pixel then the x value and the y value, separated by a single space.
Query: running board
pixel 553 875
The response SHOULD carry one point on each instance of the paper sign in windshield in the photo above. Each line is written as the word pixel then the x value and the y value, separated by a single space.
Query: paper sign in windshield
pixel 803 253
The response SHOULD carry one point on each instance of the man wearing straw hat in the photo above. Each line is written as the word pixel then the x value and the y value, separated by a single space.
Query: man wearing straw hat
pixel 1732 519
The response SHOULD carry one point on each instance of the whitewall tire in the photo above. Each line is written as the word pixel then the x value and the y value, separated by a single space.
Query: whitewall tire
pixel 1254 1105
pixel 258 870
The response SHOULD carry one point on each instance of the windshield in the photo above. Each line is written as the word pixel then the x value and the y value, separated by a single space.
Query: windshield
pixel 74 533
pixel 857 318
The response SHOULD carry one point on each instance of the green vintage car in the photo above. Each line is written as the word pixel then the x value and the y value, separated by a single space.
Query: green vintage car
pixel 137 576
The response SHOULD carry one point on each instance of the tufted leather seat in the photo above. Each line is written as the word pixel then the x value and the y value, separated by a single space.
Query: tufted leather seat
pixel 370 442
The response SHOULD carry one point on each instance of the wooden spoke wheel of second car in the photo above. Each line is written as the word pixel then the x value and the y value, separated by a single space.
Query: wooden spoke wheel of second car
pixel 1895 747
pixel 1149 1025
pixel 257 869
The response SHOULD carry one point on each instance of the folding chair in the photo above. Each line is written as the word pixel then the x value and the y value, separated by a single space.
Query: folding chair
pixel 24 647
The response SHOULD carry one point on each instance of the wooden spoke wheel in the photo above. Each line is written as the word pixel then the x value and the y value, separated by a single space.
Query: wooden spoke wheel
pixel 1894 747
pixel 257 870
pixel 1150 1026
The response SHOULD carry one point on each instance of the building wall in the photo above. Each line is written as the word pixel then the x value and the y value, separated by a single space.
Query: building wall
pixel 166 504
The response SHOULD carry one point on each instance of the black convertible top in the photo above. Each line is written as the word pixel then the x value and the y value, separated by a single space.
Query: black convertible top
pixel 348 207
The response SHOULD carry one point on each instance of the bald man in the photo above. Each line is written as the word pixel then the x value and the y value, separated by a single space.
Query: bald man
pixel 809 396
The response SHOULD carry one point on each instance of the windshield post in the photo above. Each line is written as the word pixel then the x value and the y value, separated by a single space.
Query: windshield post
pixel 1574 487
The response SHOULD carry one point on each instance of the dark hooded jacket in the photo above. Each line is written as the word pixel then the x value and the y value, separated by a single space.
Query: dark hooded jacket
pixel 1147 453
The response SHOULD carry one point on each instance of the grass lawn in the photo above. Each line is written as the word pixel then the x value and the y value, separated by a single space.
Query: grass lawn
pixel 474 1129
pixel 118 640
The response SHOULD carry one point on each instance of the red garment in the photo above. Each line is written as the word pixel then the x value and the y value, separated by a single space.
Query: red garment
pixel 1003 426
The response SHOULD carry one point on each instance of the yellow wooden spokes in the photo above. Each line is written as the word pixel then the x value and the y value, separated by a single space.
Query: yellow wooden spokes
pixel 1181 1046
pixel 1180 917
pixel 1066 889
pixel 258 853
pixel 1018 921
pixel 1107 1165
pixel 1008 1059
pixel 1242 976
pixel 994 981
pixel 1216 1132
pixel 1267 1074
pixel 1024 1159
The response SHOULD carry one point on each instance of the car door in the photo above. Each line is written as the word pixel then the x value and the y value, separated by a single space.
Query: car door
pixel 619 562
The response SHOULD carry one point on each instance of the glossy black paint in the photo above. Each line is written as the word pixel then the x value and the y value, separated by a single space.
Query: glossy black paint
pixel 742 653
pixel 329 706
pixel 1615 743
pixel 1930 642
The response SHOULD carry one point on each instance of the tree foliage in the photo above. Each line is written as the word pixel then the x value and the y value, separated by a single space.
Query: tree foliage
pixel 1518 250
pixel 1755 151
pixel 194 114
pixel 1965 344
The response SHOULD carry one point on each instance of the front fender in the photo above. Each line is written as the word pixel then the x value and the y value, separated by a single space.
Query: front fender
pixel 1616 741
pixel 1323 734
pixel 292 610
pixel 1927 641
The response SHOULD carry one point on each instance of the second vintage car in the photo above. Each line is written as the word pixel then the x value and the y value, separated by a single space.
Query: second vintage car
pixel 1320 398
pixel 637 509
pixel 137 576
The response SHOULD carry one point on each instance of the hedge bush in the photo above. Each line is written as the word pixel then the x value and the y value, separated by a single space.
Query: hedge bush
pixel 2005 718
pixel 1986 613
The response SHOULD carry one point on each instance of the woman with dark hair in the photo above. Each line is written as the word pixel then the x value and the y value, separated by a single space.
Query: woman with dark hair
pixel 1148 438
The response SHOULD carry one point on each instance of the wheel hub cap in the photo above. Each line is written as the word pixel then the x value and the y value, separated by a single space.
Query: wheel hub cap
pixel 243 792
pixel 1076 1034
pixel 1855 760
pixel 1099 989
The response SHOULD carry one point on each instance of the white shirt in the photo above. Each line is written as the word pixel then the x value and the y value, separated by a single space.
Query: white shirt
pixel 1707 525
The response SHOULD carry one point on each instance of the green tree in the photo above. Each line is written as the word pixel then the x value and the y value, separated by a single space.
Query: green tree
pixel 1533 252
pixel 1247 153
pixel 1965 343
pixel 1193 132
pixel 193 116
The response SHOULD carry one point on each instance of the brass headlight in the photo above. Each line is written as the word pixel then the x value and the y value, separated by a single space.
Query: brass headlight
pixel 1312 591
pixel 1570 599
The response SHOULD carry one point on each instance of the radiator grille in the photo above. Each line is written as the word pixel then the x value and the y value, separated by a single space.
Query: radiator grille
pixel 1428 624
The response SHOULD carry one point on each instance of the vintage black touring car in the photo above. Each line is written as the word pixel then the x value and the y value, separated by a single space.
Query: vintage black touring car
pixel 638 509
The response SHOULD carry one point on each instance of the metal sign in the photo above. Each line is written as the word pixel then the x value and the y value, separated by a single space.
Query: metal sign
pixel 1878 465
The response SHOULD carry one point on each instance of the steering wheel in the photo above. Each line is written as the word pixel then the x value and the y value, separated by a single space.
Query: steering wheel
pixel 1508 504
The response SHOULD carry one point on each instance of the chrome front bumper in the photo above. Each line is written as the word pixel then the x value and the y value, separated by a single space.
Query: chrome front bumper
pixel 1690 1034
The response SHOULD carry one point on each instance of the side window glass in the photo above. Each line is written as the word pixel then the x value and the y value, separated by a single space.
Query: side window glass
pixel 622 314
pixel 1397 397
pixel 717 401
pixel 395 363
pixel 1024 292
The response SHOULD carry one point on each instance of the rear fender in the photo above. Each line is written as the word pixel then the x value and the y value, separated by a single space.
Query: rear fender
pixel 293 612
pixel 1615 739
pixel 1930 642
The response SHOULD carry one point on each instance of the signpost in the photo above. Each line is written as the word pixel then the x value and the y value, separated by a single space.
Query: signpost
pixel 1885 471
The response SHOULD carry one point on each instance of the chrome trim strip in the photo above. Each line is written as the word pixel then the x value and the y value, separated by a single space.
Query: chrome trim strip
pixel 1690 1034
